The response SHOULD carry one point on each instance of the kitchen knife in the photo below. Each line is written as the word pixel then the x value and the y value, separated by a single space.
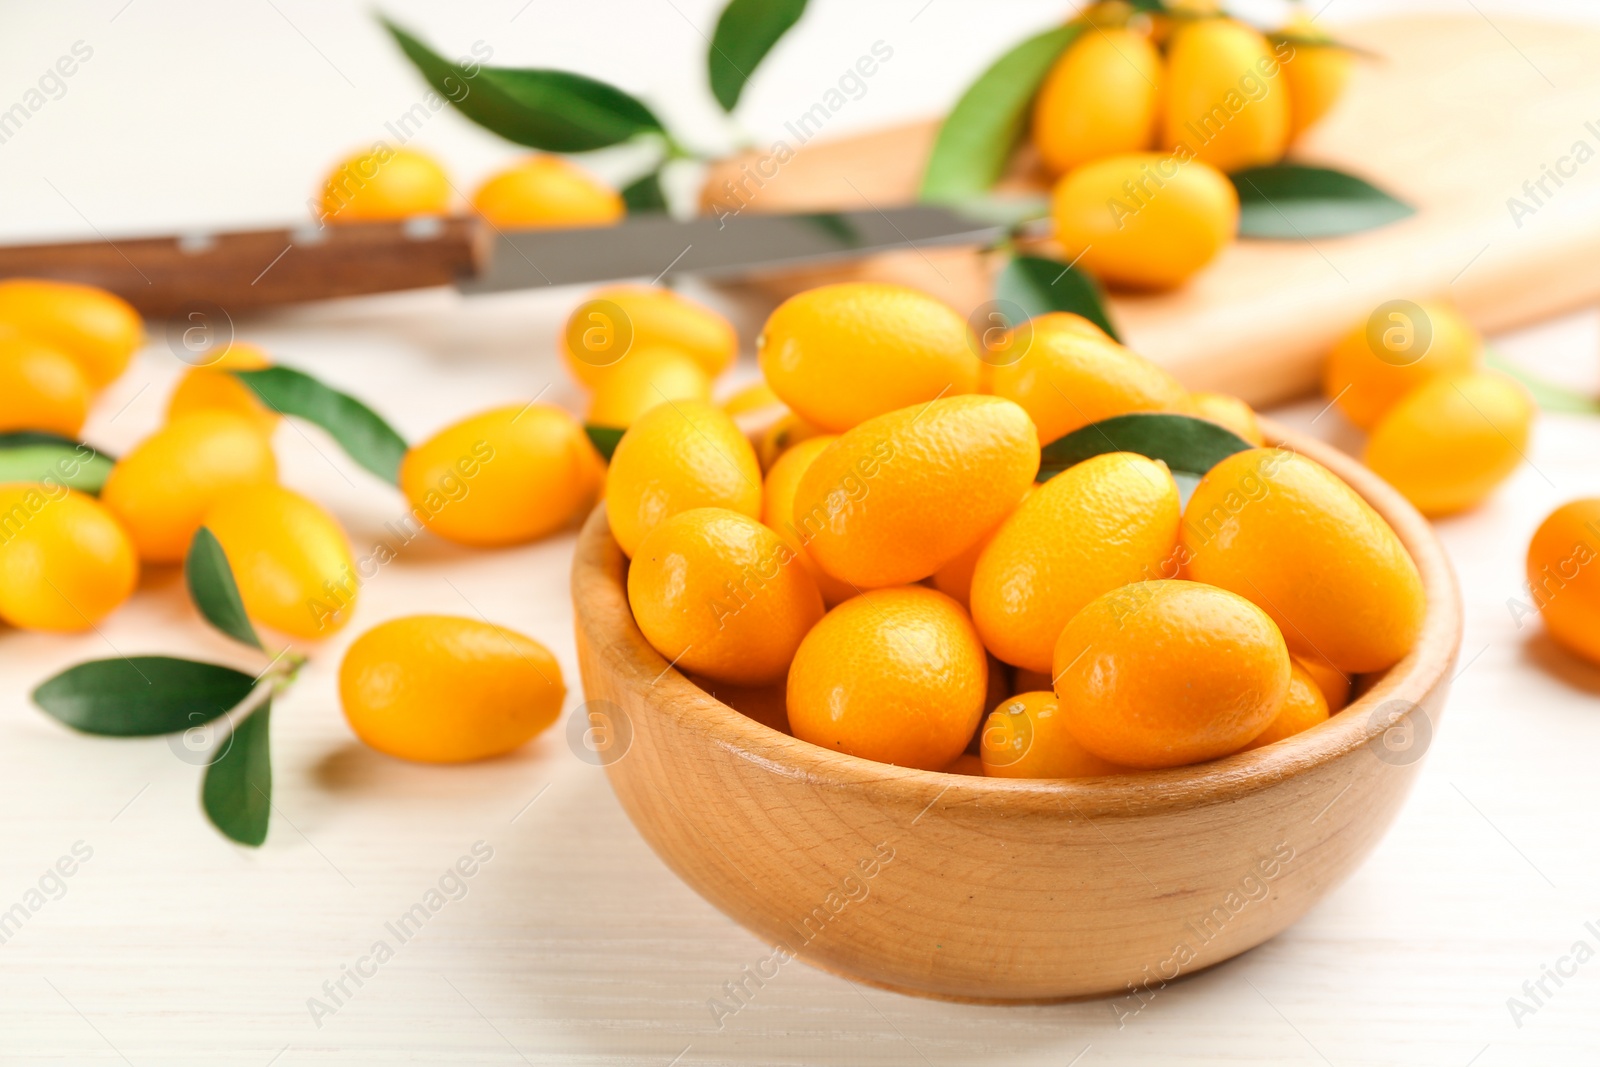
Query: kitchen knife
pixel 168 276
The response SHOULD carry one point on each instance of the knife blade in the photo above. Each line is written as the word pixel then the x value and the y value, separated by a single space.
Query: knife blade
pixel 246 270
pixel 659 247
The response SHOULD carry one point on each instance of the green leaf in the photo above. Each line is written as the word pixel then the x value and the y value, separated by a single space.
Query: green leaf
pixel 213 590
pixel 1300 40
pixel 644 195
pixel 141 696
pixel 1186 445
pixel 833 225
pixel 1014 212
pixel 359 430
pixel 237 791
pixel 1548 395
pixel 1289 200
pixel 745 33
pixel 32 456
pixel 1039 286
pixel 553 110
pixel 605 438
pixel 980 132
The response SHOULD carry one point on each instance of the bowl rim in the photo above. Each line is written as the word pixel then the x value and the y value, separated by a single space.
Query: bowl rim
pixel 601 608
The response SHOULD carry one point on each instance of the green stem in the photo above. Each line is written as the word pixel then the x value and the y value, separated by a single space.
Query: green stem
pixel 283 673
pixel 676 149
pixel 1007 243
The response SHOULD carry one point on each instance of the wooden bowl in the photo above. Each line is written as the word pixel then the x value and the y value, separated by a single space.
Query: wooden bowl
pixel 994 889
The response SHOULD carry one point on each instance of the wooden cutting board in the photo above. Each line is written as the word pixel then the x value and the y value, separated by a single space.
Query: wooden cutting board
pixel 1455 117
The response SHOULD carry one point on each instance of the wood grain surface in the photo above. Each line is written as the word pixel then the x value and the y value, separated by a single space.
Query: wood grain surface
pixel 1001 889
pixel 1450 118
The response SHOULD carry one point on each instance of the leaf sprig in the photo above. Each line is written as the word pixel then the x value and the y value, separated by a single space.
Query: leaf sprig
pixel 1291 201
pixel 1038 285
pixel 604 438
pixel 1548 395
pixel 564 111
pixel 978 136
pixel 1188 446
pixel 145 696
pixel 745 33
pixel 360 431
pixel 552 110
pixel 33 456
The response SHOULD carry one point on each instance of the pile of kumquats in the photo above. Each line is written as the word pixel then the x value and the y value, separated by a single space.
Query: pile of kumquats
pixel 901 565
pixel 1145 115
pixel 899 572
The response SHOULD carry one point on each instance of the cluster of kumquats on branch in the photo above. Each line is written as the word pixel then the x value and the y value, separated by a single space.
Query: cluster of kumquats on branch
pixel 1161 129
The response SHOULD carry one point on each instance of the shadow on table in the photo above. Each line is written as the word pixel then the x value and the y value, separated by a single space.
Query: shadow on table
pixel 353 767
pixel 1542 652
pixel 385 540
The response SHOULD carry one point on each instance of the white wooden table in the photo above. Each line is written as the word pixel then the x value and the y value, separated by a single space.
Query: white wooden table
pixel 573 944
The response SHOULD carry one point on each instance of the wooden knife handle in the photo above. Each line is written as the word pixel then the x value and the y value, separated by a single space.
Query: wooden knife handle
pixel 165 276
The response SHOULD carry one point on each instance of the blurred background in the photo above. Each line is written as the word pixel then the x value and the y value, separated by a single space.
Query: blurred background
pixel 195 114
